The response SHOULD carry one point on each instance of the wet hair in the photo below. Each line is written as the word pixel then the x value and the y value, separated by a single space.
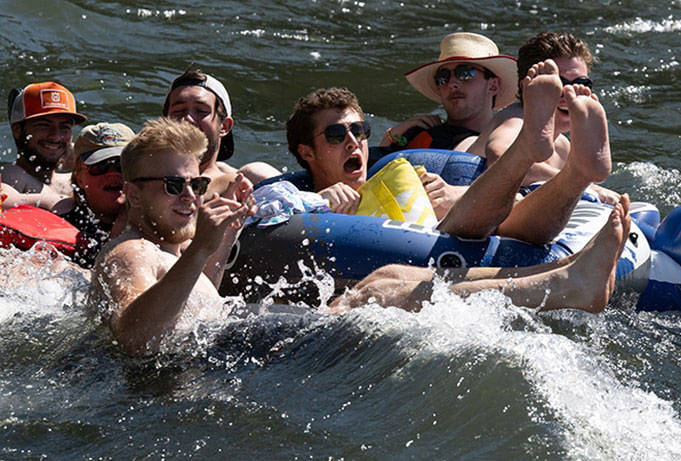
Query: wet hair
pixel 551 45
pixel 157 136
pixel 301 124
pixel 194 77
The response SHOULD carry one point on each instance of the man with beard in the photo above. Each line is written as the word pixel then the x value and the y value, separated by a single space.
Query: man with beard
pixel 165 267
pixel 471 80
pixel 203 101
pixel 42 116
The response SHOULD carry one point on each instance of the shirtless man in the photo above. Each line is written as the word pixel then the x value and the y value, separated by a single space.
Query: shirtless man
pixel 203 101
pixel 42 116
pixel 328 136
pixel 471 80
pixel 573 60
pixel 169 261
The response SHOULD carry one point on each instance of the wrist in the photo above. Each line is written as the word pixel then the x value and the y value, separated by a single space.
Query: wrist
pixel 397 139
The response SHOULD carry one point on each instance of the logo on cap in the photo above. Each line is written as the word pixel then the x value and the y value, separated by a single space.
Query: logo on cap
pixel 53 99
pixel 109 135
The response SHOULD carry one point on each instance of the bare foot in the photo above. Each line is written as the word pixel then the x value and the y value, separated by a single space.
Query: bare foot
pixel 589 143
pixel 592 274
pixel 542 90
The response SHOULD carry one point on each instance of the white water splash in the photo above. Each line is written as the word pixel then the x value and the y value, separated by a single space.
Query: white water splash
pixel 601 418
pixel 641 26
pixel 653 179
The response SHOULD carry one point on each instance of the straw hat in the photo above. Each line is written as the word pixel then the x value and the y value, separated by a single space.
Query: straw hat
pixel 465 47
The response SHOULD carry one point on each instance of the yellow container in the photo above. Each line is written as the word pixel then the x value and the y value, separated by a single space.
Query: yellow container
pixel 396 193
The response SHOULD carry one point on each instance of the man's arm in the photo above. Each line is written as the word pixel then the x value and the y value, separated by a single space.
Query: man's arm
pixel 57 203
pixel 442 196
pixel 239 193
pixel 149 302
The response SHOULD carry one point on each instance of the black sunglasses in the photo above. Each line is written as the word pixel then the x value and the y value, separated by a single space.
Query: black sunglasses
pixel 586 81
pixel 174 185
pixel 336 133
pixel 463 73
pixel 98 169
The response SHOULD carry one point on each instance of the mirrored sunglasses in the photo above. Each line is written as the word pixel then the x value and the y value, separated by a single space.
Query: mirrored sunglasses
pixel 463 73
pixel 174 185
pixel 101 168
pixel 586 81
pixel 336 133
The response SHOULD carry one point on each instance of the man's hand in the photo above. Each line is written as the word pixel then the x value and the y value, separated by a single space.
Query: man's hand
pixel 240 190
pixel 442 195
pixel 605 195
pixel 218 219
pixel 342 198
pixel 424 121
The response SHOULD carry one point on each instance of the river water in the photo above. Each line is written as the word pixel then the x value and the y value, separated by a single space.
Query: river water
pixel 473 379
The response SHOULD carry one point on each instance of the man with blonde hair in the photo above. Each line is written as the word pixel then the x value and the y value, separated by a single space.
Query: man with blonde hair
pixel 171 256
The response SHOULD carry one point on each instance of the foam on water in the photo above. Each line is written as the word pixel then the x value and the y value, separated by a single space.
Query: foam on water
pixel 641 26
pixel 600 417
pixel 657 185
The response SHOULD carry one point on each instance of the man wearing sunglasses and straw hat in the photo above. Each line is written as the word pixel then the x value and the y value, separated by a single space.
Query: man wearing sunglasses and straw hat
pixel 162 272
pixel 471 80
pixel 42 116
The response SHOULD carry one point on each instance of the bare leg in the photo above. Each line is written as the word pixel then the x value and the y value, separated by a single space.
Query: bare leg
pixel 489 200
pixel 585 281
pixel 541 215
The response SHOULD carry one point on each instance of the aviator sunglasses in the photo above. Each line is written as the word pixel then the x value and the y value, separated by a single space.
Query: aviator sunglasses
pixel 174 185
pixel 463 73
pixel 98 169
pixel 586 81
pixel 336 133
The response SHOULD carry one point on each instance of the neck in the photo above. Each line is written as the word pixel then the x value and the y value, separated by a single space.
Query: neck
pixel 138 228
pixel 208 162
pixel 476 123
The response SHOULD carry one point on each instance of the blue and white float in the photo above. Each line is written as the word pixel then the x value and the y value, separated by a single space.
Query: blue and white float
pixel 349 248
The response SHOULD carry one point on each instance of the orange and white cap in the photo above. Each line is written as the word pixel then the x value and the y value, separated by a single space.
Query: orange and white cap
pixel 39 99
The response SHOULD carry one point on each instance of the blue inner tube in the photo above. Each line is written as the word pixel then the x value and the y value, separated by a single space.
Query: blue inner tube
pixel 351 247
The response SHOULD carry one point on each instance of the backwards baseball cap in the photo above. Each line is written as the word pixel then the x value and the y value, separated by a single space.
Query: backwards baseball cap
pixel 96 143
pixel 39 99
pixel 197 78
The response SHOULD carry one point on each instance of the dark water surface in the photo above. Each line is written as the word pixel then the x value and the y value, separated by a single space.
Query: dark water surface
pixel 474 379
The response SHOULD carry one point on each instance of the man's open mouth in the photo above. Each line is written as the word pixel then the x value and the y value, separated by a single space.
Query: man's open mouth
pixel 352 164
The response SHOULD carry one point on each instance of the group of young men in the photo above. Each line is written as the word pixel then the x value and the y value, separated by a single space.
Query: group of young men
pixel 180 209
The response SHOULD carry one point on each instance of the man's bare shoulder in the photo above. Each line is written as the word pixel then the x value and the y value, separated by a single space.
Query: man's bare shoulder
pixel 500 132
pixel 19 179
pixel 127 256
